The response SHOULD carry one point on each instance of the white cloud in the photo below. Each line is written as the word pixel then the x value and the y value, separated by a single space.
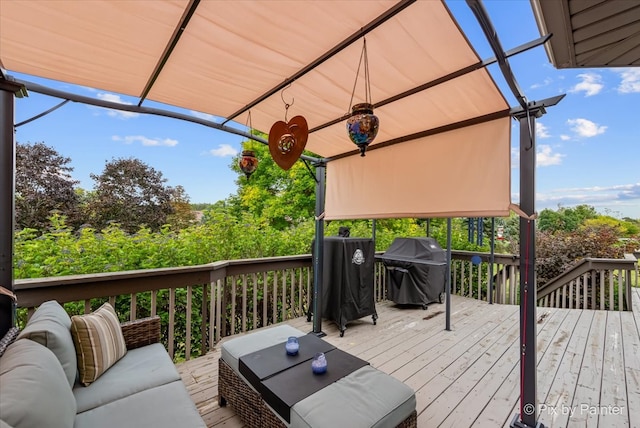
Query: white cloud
pixel 223 150
pixel 630 80
pixel 542 131
pixel 585 127
pixel 545 82
pixel 565 137
pixel 113 98
pixel 590 84
pixel 145 141
pixel 203 116
pixel 546 157
pixel 515 158
pixel 617 196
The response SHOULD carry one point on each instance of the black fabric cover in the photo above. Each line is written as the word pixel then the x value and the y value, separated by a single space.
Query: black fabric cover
pixel 347 286
pixel 415 271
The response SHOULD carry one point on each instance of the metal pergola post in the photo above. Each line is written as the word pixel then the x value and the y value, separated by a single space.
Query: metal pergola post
pixel 8 91
pixel 318 249
pixel 448 279
pixel 492 258
pixel 528 317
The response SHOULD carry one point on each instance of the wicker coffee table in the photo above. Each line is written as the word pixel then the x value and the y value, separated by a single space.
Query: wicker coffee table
pixel 267 384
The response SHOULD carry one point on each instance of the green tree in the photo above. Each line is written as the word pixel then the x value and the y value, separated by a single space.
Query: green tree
pixel 278 197
pixel 132 194
pixel 565 219
pixel 182 215
pixel 43 185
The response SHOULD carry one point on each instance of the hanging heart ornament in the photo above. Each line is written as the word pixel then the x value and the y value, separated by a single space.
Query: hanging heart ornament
pixel 287 141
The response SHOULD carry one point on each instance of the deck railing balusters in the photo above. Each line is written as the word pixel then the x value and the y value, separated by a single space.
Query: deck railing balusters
pixel 132 307
pixel 284 287
pixel 254 288
pixel 265 298
pixel 213 326
pixel 286 296
pixel 172 310
pixel 187 342
pixel 219 297
pixel 244 303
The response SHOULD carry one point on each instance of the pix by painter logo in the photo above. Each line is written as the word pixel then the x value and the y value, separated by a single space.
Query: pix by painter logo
pixel 578 409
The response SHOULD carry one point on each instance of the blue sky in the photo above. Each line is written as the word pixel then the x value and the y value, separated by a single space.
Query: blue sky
pixel 587 146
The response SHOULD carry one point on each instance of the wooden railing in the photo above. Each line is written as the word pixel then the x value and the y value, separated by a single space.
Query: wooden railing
pixel 593 283
pixel 471 276
pixel 199 305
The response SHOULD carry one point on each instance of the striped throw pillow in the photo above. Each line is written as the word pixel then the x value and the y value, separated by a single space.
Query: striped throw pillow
pixel 99 342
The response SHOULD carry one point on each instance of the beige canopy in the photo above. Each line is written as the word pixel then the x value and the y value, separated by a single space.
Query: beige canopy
pixel 431 93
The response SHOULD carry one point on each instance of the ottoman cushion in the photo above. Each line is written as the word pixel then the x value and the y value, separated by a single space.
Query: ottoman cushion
pixel 372 398
pixel 233 349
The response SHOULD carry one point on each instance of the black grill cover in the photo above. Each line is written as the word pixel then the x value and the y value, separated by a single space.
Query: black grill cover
pixel 415 271
pixel 347 286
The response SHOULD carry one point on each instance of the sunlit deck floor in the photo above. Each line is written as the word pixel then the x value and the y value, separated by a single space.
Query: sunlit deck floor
pixel 588 364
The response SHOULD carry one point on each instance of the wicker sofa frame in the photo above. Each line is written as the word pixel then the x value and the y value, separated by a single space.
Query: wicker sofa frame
pixel 250 406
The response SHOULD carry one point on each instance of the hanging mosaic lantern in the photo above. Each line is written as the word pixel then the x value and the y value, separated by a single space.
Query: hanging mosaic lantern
pixel 362 126
pixel 248 162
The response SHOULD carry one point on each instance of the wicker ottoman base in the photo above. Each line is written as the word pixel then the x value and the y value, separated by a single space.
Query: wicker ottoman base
pixel 249 405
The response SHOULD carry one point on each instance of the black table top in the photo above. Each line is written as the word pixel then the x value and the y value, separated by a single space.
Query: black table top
pixel 267 362
pixel 282 390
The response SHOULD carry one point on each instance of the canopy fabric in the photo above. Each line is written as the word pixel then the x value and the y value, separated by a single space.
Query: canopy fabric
pixel 452 174
pixel 229 58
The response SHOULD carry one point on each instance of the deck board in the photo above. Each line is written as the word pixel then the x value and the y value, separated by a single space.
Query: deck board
pixel 470 376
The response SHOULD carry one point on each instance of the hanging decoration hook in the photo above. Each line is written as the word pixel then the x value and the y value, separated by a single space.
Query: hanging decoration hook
pixel 286 104
pixel 364 59
pixel 249 126
pixel 248 162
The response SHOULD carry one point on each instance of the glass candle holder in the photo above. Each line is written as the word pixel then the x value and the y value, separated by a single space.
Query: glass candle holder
pixel 319 363
pixel 292 346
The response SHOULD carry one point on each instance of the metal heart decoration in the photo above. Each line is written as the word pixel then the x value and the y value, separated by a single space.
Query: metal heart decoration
pixel 287 141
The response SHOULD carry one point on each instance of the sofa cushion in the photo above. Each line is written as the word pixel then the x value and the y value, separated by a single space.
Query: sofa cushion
pixel 34 388
pixel 50 326
pixel 233 349
pixel 99 342
pixel 374 399
pixel 140 369
pixel 167 406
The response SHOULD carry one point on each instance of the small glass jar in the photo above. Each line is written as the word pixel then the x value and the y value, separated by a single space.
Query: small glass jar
pixel 292 345
pixel 319 363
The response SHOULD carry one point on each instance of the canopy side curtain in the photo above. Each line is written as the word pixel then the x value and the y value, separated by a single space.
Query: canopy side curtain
pixel 460 173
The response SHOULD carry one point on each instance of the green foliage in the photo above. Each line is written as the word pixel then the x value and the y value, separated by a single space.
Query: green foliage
pixel 275 197
pixel 558 251
pixel 565 219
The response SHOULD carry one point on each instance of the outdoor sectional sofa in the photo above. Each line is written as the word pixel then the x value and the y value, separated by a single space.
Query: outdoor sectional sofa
pixel 41 384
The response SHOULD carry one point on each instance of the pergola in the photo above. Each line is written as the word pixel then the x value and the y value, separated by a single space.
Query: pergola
pixel 434 96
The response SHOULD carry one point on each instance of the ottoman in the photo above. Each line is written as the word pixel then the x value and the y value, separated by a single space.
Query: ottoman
pixel 372 398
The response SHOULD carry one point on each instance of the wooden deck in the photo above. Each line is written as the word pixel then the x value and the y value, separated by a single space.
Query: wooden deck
pixel 588 364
